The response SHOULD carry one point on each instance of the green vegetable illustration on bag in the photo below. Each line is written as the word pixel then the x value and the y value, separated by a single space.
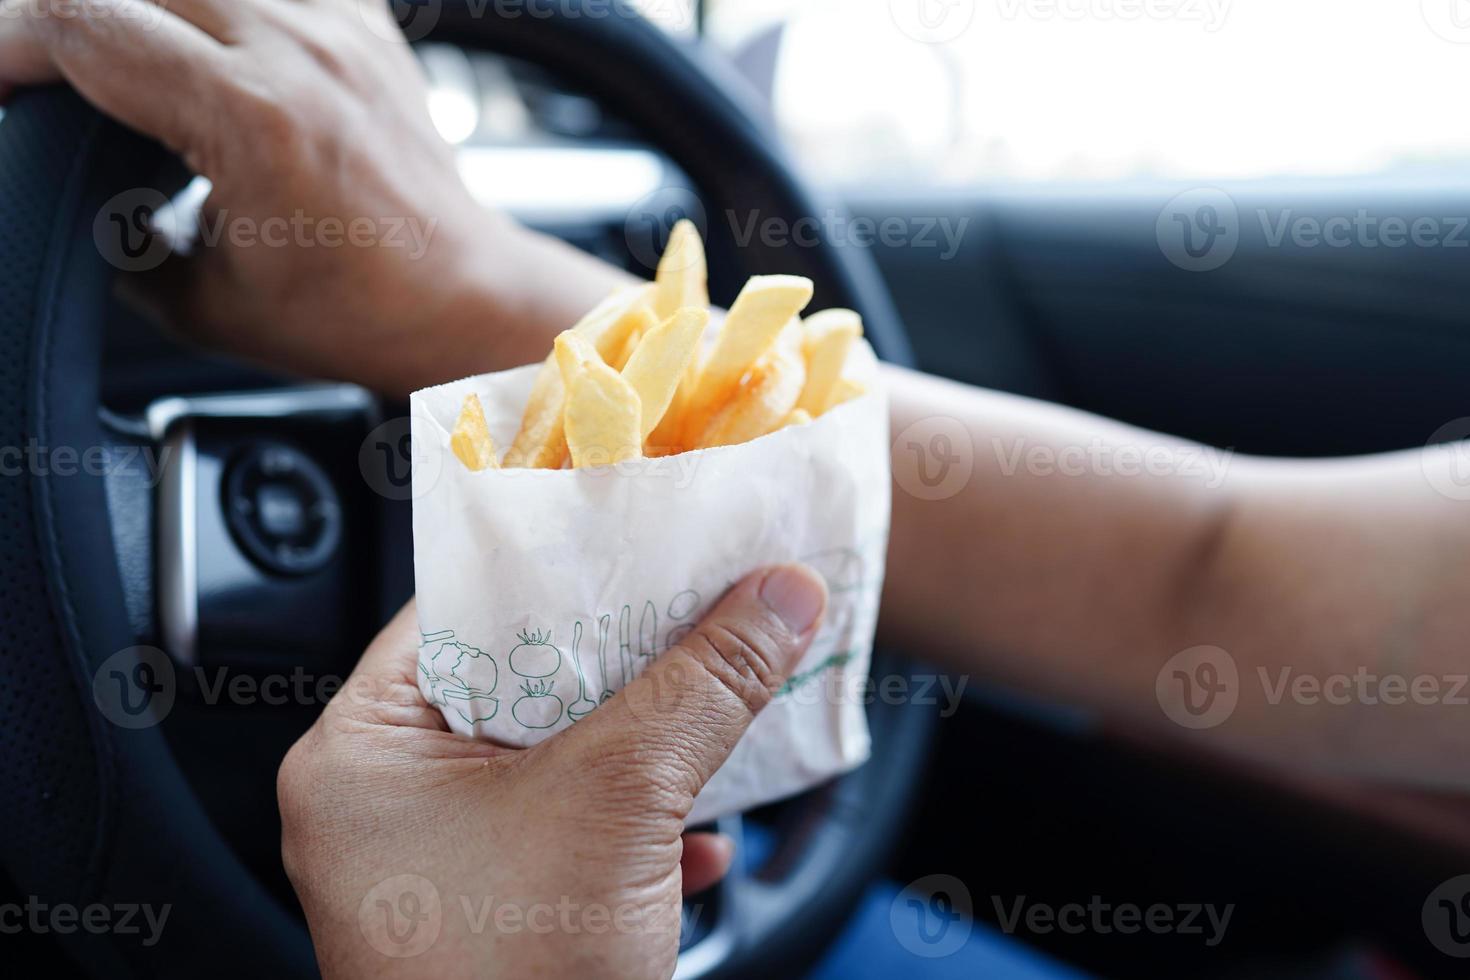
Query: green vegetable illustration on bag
pixel 536 658
pixel 539 708
pixel 447 673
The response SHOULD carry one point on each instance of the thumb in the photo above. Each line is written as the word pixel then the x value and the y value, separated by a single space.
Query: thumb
pixel 678 721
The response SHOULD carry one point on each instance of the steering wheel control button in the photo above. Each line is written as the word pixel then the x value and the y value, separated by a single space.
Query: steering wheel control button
pixel 282 509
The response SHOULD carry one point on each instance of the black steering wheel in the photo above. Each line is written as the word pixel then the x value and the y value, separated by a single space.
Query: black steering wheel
pixel 100 812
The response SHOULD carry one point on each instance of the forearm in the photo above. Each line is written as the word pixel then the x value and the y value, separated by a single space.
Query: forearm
pixel 1051 568
pixel 1061 569
pixel 507 304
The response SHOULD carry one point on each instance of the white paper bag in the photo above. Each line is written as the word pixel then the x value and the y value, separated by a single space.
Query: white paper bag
pixel 542 592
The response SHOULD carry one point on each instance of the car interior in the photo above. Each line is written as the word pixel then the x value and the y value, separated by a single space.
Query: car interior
pixel 1047 279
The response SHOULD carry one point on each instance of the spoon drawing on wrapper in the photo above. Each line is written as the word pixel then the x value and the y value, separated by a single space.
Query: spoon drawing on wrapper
pixel 583 706
pixel 625 644
pixel 604 626
pixel 647 632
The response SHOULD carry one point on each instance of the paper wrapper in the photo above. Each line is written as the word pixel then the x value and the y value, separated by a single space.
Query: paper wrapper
pixel 542 592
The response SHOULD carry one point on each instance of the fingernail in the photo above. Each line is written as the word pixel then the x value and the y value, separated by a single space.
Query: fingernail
pixel 796 594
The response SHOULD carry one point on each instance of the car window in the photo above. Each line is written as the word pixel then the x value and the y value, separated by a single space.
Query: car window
pixel 955 92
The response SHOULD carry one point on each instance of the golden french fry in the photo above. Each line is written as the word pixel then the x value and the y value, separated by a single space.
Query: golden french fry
pixel 682 279
pixel 602 419
pixel 761 403
pixel 667 437
pixel 657 366
pixel 571 351
pixel 763 309
pixel 827 338
pixel 470 439
pixel 847 390
pixel 540 443
pixel 681 282
pixel 642 320
pixel 798 416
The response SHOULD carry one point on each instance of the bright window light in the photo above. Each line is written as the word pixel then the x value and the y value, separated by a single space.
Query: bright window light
pixel 962 91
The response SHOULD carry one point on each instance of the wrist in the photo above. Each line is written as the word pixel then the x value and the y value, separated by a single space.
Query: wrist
pixel 506 296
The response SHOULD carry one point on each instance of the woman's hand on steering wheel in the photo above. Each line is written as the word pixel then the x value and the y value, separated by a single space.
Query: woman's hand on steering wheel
pixel 564 859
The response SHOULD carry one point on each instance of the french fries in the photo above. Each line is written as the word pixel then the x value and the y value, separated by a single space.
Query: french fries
pixel 827 337
pixel 762 403
pixel 603 417
pixel 471 437
pixel 658 366
pixel 541 442
pixel 681 282
pixel 632 378
pixel 762 310
pixel 682 279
